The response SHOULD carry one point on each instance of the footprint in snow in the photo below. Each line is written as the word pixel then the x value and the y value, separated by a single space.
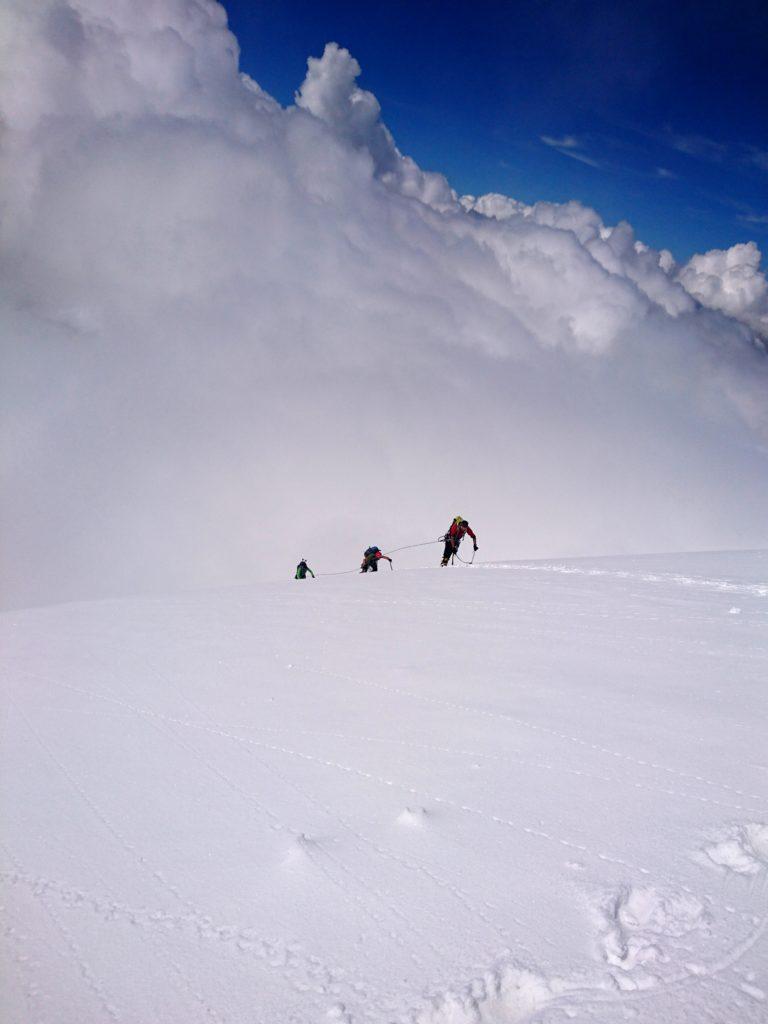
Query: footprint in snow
pixel 646 932
pixel 743 849
pixel 339 1014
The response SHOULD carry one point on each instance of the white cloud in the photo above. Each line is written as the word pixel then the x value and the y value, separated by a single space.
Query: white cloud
pixel 581 157
pixel 331 93
pixel 730 280
pixel 758 157
pixel 235 334
pixel 696 145
pixel 570 146
pixel 566 142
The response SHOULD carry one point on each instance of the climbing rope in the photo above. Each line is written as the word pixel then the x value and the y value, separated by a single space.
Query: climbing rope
pixel 405 547
pixel 423 544
pixel 389 551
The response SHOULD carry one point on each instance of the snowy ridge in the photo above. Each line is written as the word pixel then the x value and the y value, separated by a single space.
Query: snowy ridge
pixel 429 797
pixel 686 581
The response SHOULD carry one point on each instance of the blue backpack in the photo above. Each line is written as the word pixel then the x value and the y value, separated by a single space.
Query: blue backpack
pixel 370 551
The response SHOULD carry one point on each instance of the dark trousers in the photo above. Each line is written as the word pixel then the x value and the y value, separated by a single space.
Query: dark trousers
pixel 370 563
pixel 449 548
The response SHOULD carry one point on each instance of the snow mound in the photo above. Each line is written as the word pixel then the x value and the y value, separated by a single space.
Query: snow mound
pixel 643 926
pixel 508 994
pixel 743 851
pixel 413 817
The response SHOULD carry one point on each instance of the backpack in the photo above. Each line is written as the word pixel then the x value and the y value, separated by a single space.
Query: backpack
pixel 370 552
pixel 456 531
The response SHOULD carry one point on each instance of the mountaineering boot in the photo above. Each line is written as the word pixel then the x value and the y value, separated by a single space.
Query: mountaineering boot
pixel 444 561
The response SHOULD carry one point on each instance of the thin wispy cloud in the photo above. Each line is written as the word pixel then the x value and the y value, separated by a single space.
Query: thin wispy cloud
pixel 581 157
pixel 758 157
pixel 570 146
pixel 698 146
pixel 566 142
pixel 709 150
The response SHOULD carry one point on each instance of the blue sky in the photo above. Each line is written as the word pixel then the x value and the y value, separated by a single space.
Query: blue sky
pixel 655 113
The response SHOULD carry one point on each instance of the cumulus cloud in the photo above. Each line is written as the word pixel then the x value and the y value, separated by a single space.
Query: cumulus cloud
pixel 331 93
pixel 235 334
pixel 730 280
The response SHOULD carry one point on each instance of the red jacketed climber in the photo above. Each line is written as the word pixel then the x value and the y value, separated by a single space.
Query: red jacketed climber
pixel 456 533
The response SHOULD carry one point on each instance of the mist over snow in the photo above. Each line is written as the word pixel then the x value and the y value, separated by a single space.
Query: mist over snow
pixel 236 334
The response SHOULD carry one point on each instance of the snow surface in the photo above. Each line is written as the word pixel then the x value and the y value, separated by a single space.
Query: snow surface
pixel 517 792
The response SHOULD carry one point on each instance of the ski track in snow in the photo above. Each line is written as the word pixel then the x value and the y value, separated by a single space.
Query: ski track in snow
pixel 654 933
pixel 724 586
pixel 236 729
pixel 411 865
pixel 543 729
pixel 368 777
pixel 108 907
pixel 685 978
pixel 484 755
pixel 74 955
pixel 203 926
pixel 269 955
pixel 318 855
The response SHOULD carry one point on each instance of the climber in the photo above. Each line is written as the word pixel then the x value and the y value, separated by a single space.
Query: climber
pixel 371 558
pixel 302 569
pixel 459 527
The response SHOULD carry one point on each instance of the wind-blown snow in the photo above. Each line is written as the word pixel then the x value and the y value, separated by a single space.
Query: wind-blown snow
pixel 517 792
pixel 235 334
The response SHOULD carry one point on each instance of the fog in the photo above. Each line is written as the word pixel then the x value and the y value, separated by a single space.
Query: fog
pixel 235 334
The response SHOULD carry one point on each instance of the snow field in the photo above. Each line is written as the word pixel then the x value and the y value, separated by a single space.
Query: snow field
pixel 517 792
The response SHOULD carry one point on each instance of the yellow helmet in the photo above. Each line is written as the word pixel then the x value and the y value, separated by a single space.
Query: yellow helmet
pixel 458 519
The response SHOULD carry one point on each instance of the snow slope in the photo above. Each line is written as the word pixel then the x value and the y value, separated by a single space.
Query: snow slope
pixel 508 793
